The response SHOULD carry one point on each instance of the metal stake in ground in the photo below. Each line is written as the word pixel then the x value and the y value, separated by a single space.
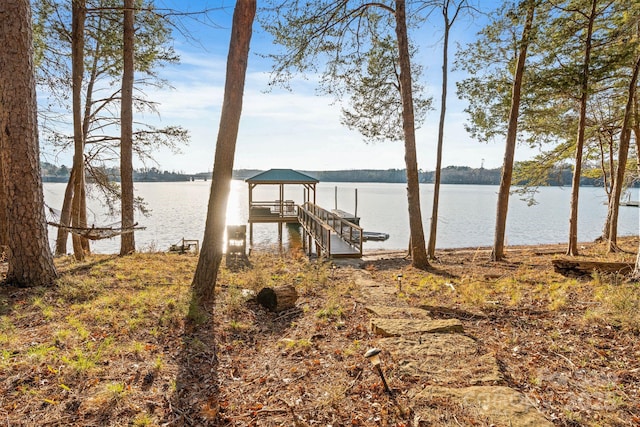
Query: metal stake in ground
pixel 373 355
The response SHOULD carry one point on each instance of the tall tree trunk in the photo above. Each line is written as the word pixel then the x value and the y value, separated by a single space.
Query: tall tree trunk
pixel 127 242
pixel 606 175
pixel 431 247
pixel 419 258
pixel 636 128
pixel 572 248
pixel 65 215
pixel 623 153
pixel 79 13
pixel 210 258
pixel 497 254
pixel 30 258
pixel 448 23
pixel 636 132
pixel 3 205
pixel 86 124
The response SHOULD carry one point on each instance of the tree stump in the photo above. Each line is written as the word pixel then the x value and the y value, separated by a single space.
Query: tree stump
pixel 278 299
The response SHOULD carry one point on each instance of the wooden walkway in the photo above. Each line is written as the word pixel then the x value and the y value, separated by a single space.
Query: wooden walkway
pixel 334 237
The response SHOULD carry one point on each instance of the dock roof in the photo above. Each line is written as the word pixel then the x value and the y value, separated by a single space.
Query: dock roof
pixel 279 176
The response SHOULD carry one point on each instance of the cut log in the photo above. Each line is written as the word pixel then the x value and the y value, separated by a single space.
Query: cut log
pixel 278 299
pixel 578 267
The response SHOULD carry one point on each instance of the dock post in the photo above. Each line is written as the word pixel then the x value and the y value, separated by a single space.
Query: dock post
pixel 356 209
pixel 304 240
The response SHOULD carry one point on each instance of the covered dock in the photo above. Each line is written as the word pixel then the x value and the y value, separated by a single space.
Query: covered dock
pixel 280 210
pixel 332 234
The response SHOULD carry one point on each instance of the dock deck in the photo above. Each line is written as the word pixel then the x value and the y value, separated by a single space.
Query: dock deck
pixel 334 237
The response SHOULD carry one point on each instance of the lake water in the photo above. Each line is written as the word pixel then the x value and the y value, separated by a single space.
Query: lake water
pixel 466 215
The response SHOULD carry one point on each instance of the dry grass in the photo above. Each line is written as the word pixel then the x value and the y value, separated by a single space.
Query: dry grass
pixel 570 344
pixel 109 345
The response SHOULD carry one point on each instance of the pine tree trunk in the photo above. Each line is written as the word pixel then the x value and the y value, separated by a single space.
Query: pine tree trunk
pixel 30 258
pixel 127 242
pixel 210 258
pixel 572 248
pixel 636 132
pixel 3 206
pixel 65 216
pixel 431 247
pixel 77 65
pixel 497 254
pixel 84 242
pixel 623 153
pixel 419 258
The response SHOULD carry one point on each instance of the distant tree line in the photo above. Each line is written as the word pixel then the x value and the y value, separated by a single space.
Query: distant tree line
pixel 53 173
pixel 559 176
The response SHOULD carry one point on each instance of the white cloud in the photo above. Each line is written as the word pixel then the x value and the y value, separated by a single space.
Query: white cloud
pixel 295 129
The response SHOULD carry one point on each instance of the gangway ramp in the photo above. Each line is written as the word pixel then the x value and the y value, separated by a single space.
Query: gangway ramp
pixel 334 236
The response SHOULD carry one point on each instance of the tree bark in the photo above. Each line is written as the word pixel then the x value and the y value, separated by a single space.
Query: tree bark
pixel 497 254
pixel 623 153
pixel 279 298
pixel 419 258
pixel 84 242
pixel 572 248
pixel 127 242
pixel 30 258
pixel 636 132
pixel 212 244
pixel 431 246
pixel 4 240
pixel 77 64
pixel 65 216
pixel 448 23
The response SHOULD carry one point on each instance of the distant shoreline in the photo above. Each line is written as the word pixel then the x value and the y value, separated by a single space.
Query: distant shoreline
pixel 537 249
pixel 450 175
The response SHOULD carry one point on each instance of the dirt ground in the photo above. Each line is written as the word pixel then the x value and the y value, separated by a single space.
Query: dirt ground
pixel 555 342
pixel 570 345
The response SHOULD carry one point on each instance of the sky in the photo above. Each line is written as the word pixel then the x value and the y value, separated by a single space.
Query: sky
pixel 298 129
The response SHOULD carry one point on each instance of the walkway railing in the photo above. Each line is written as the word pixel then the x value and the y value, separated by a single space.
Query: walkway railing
pixel 273 211
pixel 322 225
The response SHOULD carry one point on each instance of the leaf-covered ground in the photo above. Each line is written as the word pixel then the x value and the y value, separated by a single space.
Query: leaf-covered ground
pixel 110 344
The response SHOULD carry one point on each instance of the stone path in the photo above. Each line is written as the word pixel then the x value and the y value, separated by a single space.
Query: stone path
pixel 442 363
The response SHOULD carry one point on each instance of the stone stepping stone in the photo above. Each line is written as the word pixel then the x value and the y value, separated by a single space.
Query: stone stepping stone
pixel 398 312
pixel 363 278
pixel 442 359
pixel 495 405
pixel 383 294
pixel 404 327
